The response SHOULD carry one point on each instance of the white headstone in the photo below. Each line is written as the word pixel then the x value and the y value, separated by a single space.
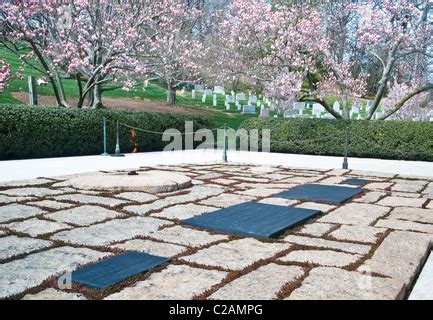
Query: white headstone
pixel 208 92
pixel 219 90
pixel 336 106
pixel 253 99
pixel 203 99
pixel 227 106
pixel 193 94
pixel 240 96
pixel 355 108
pixel 288 113
pixel 230 99
pixel 318 109
pixel 214 102
pixel 199 88
pixel 264 113
pixel 249 109
pixel 299 105
pixel 431 119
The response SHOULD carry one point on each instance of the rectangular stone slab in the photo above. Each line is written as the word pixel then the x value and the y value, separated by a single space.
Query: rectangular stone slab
pixel 113 270
pixel 318 192
pixel 356 182
pixel 253 219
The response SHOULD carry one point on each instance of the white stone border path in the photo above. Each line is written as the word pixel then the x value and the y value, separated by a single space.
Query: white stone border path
pixel 51 167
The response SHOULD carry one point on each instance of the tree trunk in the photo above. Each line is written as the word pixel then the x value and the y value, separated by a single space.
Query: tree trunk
pixel 97 97
pixel 346 112
pixel 171 93
pixel 383 83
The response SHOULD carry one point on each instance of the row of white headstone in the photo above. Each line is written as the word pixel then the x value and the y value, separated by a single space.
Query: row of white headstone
pixel 234 98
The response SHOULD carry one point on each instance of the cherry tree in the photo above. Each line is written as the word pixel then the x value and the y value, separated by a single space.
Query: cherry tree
pixel 399 35
pixel 5 74
pixel 92 41
pixel 174 45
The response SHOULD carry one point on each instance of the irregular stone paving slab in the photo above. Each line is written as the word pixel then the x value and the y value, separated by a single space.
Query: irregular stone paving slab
pixel 226 200
pixel 338 284
pixel 408 185
pixel 137 196
pixel 89 199
pixel 53 294
pixel 399 256
pixel 225 182
pixel 152 181
pixel 24 183
pixel 35 227
pixel 51 204
pixel 405 225
pixel 261 284
pixel 363 234
pixel 237 254
pixel 6 199
pixel 430 205
pixel 112 231
pixel 412 214
pixel 326 258
pixel 12 246
pixel 187 236
pixel 316 229
pixel 249 179
pixel 72 190
pixel 18 211
pixel 316 206
pixel 26 192
pixel 302 180
pixel 183 211
pixel 262 169
pixel 404 194
pixel 84 215
pixel 372 174
pixel 176 282
pixel 160 249
pixel 322 243
pixel 370 197
pixel 333 180
pixel 275 176
pixel 260 192
pixel 284 186
pixel 402 202
pixel 31 271
pixel 209 176
pixel 279 201
pixel 378 185
pixel 429 189
pixel 196 193
pixel 355 214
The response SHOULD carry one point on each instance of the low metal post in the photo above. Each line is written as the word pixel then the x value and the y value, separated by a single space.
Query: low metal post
pixel 104 130
pixel 225 144
pixel 346 149
pixel 117 150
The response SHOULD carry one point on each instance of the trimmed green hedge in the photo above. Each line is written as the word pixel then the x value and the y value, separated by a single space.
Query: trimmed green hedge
pixel 403 140
pixel 39 132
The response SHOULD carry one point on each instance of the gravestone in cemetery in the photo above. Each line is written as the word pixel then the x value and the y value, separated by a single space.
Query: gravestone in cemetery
pixel 214 102
pixel 431 119
pixel 336 106
pixel 289 113
pixel 253 100
pixel 328 116
pixel 230 99
pixel 219 90
pixel 240 96
pixel 264 113
pixel 203 98
pixel 299 106
pixel 248 109
pixel 193 94
pixel 227 106
pixel 355 108
pixel 208 92
pixel 199 88
pixel 318 109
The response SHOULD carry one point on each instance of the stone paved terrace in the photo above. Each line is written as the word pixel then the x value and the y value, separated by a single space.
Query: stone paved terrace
pixel 372 247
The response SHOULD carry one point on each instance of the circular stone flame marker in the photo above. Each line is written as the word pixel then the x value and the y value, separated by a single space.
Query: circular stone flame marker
pixel 149 181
